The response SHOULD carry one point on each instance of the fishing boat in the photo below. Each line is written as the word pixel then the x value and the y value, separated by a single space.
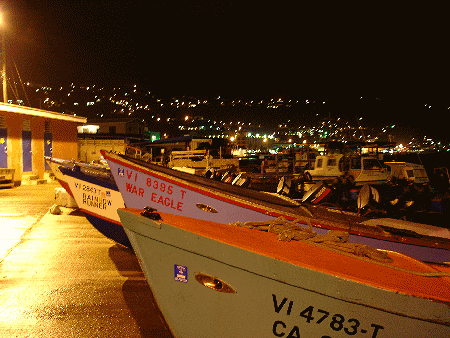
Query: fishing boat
pixel 179 153
pixel 410 172
pixel 359 169
pixel 55 164
pixel 213 279
pixel 142 184
pixel 98 197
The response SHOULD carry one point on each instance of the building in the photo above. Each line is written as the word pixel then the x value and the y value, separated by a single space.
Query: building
pixel 89 145
pixel 110 134
pixel 120 126
pixel 28 134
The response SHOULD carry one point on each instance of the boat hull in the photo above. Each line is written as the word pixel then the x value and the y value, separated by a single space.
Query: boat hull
pixel 98 200
pixel 174 192
pixel 271 297
pixel 55 164
pixel 358 181
pixel 165 192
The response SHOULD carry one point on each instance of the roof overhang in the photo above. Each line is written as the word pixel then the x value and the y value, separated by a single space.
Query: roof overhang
pixel 12 108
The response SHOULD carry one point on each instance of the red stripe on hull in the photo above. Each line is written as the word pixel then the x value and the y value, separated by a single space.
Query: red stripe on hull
pixel 66 186
pixel 100 217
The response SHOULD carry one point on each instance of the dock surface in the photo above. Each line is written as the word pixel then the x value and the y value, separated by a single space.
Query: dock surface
pixel 59 277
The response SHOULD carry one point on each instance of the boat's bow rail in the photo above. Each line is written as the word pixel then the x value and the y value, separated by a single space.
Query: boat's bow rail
pixel 99 171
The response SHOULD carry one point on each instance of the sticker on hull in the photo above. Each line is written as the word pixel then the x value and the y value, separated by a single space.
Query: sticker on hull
pixel 181 273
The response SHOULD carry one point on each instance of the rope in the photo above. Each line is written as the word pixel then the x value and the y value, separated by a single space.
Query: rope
pixel 334 240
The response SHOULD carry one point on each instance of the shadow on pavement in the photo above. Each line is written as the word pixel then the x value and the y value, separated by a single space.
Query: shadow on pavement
pixel 76 212
pixel 138 295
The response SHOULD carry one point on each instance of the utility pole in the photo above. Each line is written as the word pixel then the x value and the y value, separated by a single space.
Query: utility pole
pixel 5 95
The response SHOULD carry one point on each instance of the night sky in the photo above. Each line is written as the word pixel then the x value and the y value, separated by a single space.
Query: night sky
pixel 396 52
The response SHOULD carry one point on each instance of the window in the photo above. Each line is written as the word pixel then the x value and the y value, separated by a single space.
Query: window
pixel 371 164
pixel 319 163
pixel 331 162
pixel 47 128
pixel 356 163
pixel 26 125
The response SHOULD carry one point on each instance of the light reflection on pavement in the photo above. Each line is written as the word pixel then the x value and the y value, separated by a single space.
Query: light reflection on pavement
pixel 60 277
pixel 20 208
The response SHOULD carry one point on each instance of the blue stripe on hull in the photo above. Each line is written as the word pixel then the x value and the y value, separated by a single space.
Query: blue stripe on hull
pixel 423 253
pixel 104 182
pixel 109 229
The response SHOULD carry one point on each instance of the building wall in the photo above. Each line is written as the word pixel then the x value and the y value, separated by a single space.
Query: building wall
pixel 135 128
pixel 132 127
pixel 89 149
pixel 64 141
pixel 196 142
pixel 14 143
pixel 104 127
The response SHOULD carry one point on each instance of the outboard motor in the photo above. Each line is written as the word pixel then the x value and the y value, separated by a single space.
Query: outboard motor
pixel 210 173
pixel 320 192
pixel 228 177
pixel 241 180
pixel 285 187
pixel 293 188
pixel 343 187
pixel 368 197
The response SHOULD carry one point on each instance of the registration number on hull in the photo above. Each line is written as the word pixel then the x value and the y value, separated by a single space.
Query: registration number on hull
pixel 314 315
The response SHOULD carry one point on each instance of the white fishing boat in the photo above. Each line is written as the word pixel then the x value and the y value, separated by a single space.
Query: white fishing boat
pixel 410 172
pixel 54 164
pixel 142 184
pixel 98 197
pixel 198 161
pixel 359 169
pixel 220 280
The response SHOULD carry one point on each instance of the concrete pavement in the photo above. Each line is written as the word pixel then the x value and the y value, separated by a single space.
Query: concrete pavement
pixel 20 208
pixel 59 277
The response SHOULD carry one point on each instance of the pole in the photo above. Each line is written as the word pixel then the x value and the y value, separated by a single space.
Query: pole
pixel 5 95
